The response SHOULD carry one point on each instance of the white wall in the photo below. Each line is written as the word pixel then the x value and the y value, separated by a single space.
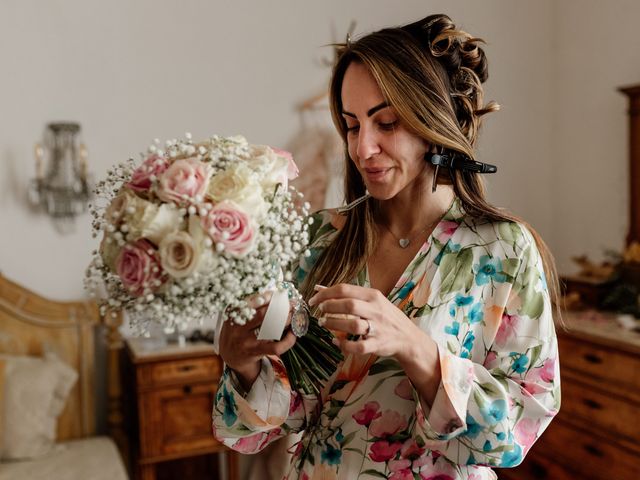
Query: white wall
pixel 596 50
pixel 131 71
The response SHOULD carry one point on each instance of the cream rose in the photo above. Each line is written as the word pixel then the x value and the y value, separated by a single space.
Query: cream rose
pixel 179 254
pixel 118 207
pixel 240 185
pixel 184 182
pixel 271 168
pixel 109 251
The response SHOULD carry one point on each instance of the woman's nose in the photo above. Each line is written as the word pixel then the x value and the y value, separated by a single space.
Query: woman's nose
pixel 367 143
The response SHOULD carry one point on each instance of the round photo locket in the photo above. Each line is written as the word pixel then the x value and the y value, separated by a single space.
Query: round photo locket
pixel 300 320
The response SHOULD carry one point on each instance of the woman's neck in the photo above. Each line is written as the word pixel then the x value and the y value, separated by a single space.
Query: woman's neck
pixel 416 207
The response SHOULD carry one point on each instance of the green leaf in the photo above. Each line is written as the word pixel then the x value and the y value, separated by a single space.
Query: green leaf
pixel 509 232
pixel 490 389
pixel 510 266
pixel 388 364
pixel 373 473
pixel 347 439
pixel 357 450
pixel 422 311
pixel 480 400
pixel 457 271
pixel 534 355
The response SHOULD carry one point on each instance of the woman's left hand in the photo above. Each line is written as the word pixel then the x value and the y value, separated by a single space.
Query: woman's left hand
pixel 383 328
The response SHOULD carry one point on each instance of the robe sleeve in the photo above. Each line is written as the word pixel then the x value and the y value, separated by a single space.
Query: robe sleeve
pixel 492 405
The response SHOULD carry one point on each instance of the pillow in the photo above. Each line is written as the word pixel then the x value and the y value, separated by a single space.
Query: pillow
pixel 33 392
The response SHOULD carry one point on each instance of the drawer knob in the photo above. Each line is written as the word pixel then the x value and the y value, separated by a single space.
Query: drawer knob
pixel 538 470
pixel 592 358
pixel 592 404
pixel 595 451
pixel 186 389
pixel 186 368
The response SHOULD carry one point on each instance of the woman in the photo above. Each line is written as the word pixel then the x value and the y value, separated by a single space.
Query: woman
pixel 451 366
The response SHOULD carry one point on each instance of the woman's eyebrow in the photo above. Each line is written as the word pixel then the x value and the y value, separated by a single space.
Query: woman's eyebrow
pixel 370 112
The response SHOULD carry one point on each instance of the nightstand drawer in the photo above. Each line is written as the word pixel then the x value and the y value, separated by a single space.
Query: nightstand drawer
pixel 177 420
pixel 613 414
pixel 595 361
pixel 207 369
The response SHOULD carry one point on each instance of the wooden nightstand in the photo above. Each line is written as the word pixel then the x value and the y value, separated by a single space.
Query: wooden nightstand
pixel 169 394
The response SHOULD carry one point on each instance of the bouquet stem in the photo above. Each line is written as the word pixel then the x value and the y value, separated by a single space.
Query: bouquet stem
pixel 312 360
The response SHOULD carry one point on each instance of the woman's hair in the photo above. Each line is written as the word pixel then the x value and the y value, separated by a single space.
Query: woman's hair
pixel 431 73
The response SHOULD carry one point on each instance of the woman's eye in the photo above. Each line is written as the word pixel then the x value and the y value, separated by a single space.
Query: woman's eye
pixel 353 129
pixel 387 125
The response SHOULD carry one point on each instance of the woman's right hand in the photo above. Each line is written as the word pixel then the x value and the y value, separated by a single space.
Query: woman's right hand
pixel 242 351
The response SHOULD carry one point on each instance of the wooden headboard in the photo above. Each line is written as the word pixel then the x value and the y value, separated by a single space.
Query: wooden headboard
pixel 31 324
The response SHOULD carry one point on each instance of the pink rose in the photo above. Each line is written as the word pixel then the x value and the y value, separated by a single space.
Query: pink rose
pixel 153 166
pixel 185 181
pixel 292 168
pixel 389 423
pixel 381 451
pixel 437 476
pixel 229 227
pixel 138 267
pixel 369 412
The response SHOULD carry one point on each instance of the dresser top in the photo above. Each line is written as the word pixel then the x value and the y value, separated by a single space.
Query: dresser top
pixel 602 328
pixel 144 350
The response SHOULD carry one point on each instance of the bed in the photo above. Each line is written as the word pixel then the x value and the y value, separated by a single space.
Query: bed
pixel 44 341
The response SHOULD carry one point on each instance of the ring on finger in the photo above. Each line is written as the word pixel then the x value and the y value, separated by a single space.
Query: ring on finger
pixel 369 331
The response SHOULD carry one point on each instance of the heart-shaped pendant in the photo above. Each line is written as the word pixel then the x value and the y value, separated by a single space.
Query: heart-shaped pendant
pixel 404 242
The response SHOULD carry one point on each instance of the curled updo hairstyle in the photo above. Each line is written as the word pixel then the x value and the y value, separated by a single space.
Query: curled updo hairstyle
pixel 432 73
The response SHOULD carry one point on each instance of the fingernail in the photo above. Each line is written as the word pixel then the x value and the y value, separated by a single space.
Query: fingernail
pixel 335 341
pixel 317 287
pixel 321 306
pixel 322 320
pixel 312 301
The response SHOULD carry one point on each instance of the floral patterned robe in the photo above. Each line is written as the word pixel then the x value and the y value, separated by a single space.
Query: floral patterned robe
pixel 478 289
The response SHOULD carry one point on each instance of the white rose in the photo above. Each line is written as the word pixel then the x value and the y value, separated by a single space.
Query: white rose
pixel 179 254
pixel 208 261
pixel 271 168
pixel 239 184
pixel 154 222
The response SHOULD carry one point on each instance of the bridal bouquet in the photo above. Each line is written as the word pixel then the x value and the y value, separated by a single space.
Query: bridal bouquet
pixel 196 229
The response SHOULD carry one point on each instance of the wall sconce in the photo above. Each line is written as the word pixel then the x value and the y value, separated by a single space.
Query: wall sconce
pixel 61 186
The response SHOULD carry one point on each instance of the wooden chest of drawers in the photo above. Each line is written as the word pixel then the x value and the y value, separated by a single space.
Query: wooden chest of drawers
pixel 171 390
pixel 596 435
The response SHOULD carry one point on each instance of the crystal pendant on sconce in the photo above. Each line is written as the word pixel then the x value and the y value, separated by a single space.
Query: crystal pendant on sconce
pixel 61 186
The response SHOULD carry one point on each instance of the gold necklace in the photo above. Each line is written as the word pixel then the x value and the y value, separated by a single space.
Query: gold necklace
pixel 405 242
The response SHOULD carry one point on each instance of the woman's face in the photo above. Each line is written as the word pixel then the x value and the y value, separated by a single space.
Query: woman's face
pixel 386 154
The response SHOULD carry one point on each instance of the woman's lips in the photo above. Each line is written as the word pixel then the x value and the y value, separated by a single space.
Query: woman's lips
pixel 376 174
